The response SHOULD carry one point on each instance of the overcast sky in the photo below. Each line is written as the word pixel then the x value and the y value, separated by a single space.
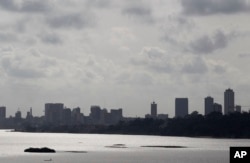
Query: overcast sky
pixel 123 54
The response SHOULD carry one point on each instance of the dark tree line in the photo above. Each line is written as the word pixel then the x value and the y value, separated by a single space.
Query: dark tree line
pixel 235 125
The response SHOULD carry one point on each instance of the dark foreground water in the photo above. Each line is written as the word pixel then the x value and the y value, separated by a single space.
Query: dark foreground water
pixel 97 148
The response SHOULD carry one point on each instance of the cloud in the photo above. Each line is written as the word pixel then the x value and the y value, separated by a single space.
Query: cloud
pixel 219 69
pixel 139 12
pixel 26 65
pixel 195 66
pixel 206 44
pixel 98 3
pixel 70 20
pixel 210 7
pixel 8 37
pixel 159 61
pixel 19 71
pixel 154 59
pixel 177 24
pixel 34 6
pixel 244 55
pixel 50 38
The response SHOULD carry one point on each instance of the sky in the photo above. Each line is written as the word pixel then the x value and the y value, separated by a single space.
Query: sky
pixel 123 54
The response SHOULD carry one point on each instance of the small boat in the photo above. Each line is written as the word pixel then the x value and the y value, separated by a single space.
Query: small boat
pixel 48 160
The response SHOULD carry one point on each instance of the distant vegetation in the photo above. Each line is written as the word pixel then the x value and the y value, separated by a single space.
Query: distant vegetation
pixel 235 125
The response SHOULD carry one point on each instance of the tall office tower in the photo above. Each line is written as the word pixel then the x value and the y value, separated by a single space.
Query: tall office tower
pixel 209 102
pixel 153 109
pixel 53 112
pixel 2 112
pixel 228 101
pixel 181 107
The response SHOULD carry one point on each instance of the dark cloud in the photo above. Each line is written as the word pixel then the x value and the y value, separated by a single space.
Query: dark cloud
pixel 72 20
pixel 173 41
pixel 206 44
pixel 26 5
pixel 142 13
pixel 138 11
pixel 209 7
pixel 244 55
pixel 24 73
pixel 50 38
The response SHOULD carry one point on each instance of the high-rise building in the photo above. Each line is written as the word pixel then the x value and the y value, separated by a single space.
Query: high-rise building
pixel 181 107
pixel 53 112
pixel 209 102
pixel 154 109
pixel 76 116
pixel 2 112
pixel 95 114
pixel 228 101
pixel 116 115
pixel 66 116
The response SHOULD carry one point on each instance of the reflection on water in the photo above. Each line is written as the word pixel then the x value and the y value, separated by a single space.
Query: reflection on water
pixel 115 148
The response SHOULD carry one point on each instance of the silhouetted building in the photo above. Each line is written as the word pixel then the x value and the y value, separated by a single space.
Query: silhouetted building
pixel 181 107
pixel 228 101
pixel 153 109
pixel 238 108
pixel 217 107
pixel 209 102
pixel 29 115
pixel 53 112
pixel 105 117
pixel 77 116
pixel 2 112
pixel 162 116
pixel 116 115
pixel 66 116
pixel 18 115
pixel 95 114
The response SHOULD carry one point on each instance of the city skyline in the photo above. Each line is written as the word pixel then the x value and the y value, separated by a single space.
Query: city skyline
pixel 123 53
pixel 181 107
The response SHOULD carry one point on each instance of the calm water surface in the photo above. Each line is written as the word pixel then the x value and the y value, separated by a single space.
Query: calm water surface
pixel 92 148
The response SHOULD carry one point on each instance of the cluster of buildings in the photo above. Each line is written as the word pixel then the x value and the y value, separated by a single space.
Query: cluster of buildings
pixel 57 114
pixel 181 106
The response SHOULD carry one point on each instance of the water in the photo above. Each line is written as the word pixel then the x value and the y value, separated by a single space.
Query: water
pixel 95 148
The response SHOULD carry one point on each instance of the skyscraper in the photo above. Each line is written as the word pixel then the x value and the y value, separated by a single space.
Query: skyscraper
pixel 95 114
pixel 209 101
pixel 181 107
pixel 53 112
pixel 2 112
pixel 228 101
pixel 153 109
